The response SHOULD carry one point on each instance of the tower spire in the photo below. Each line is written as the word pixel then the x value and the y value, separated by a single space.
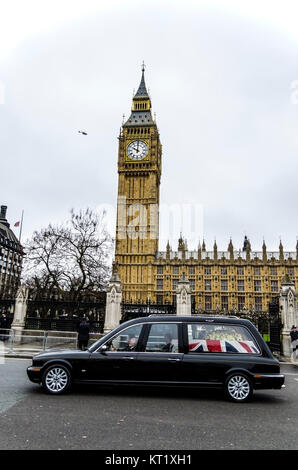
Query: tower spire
pixel 141 106
pixel 142 90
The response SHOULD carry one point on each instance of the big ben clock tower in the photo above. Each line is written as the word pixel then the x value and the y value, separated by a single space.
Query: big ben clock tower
pixel 139 170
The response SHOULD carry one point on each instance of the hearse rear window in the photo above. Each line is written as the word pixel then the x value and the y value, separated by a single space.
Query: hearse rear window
pixel 163 337
pixel 220 338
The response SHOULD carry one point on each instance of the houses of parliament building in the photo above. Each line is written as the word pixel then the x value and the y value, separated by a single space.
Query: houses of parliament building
pixel 219 280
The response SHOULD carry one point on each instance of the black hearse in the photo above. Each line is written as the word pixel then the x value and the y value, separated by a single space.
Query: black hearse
pixel 201 351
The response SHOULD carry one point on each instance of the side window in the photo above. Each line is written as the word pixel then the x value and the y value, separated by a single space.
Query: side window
pixel 220 338
pixel 126 340
pixel 163 337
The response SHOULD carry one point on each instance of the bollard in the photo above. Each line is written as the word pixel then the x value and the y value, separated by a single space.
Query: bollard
pixel 11 341
pixel 45 338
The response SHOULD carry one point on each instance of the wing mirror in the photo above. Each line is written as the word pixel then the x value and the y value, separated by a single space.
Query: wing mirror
pixel 103 349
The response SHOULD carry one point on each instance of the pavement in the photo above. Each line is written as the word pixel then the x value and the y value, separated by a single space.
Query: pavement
pixel 27 351
pixel 25 346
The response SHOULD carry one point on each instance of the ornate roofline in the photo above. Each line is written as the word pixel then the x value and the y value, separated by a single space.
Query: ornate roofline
pixel 226 255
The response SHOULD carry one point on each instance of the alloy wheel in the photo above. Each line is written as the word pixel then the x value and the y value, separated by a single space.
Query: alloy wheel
pixel 238 388
pixel 56 380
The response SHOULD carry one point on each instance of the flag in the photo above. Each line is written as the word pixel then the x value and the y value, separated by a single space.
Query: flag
pixel 223 346
pixel 17 224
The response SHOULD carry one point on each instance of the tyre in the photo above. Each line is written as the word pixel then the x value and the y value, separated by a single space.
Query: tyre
pixel 56 379
pixel 238 388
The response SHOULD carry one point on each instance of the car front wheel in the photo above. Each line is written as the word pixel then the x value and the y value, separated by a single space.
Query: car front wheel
pixel 238 388
pixel 56 379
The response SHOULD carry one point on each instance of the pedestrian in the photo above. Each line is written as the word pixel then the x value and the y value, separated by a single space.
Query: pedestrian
pixel 83 334
pixel 3 327
pixel 294 342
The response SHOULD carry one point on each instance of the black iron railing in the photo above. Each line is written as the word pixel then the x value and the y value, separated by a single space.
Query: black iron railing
pixel 275 326
pixel 60 324
pixel 64 315
pixel 135 310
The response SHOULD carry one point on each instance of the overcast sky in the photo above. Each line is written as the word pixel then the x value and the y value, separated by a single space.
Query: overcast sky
pixel 221 76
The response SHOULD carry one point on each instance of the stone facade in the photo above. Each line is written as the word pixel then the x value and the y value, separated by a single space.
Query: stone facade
pixel 231 280
pixel 11 256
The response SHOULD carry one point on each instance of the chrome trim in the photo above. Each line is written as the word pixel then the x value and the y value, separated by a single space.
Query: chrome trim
pixel 152 382
pixel 269 376
pixel 160 352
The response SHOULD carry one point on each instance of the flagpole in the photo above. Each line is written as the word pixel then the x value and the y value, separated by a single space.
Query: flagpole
pixel 21 227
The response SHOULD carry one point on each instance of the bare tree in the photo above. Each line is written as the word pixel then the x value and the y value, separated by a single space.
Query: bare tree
pixel 71 259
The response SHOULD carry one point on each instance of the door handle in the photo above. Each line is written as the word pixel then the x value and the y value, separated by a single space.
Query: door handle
pixel 128 358
pixel 174 359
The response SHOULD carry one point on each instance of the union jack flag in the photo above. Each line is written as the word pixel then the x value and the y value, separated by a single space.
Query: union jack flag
pixel 214 345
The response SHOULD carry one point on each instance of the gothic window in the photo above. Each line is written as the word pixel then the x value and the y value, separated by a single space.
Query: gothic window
pixel 240 271
pixel 291 299
pixel 257 271
pixel 257 286
pixel 274 286
pixel 207 284
pixel 208 271
pixel 240 285
pixel 208 302
pixel 191 270
pixel 159 284
pixel 159 269
pixel 224 302
pixel 273 271
pixel 224 285
pixel 291 272
pixel 258 304
pixel 241 302
pixel 224 271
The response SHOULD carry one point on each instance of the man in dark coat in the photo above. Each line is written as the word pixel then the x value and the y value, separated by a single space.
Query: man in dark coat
pixel 83 334
pixel 3 327
pixel 294 341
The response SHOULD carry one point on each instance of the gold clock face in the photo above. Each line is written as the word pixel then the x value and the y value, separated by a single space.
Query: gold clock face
pixel 137 150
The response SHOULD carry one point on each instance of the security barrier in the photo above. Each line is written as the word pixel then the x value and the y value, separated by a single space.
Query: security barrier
pixel 13 341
